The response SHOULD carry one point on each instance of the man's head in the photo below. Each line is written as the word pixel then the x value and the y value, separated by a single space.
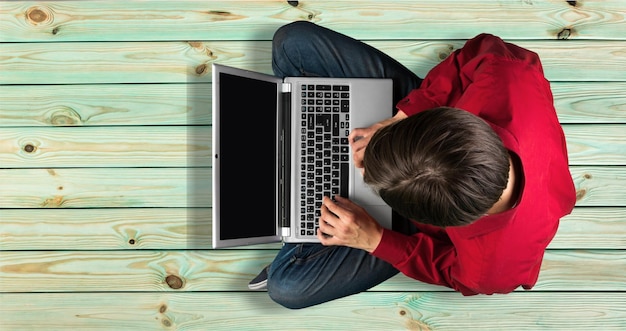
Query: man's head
pixel 443 166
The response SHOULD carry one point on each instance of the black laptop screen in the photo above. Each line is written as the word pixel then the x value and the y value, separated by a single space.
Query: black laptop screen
pixel 247 194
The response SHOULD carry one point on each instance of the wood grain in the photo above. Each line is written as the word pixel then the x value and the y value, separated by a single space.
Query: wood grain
pixel 366 311
pixel 231 270
pixel 106 229
pixel 582 102
pixel 105 188
pixel 190 228
pixel 191 187
pixel 591 144
pixel 253 20
pixel 190 62
pixel 104 105
pixel 105 177
pixel 190 104
pixel 125 146
pixel 190 146
pixel 596 186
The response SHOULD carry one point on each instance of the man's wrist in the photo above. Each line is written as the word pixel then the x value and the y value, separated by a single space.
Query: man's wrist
pixel 375 239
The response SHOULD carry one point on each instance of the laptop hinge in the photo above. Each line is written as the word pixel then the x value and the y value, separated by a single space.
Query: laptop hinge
pixel 285 232
pixel 285 157
pixel 285 88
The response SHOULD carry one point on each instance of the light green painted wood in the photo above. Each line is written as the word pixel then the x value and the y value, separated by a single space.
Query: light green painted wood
pixel 253 20
pixel 190 146
pixel 191 187
pixel 105 187
pixel 107 229
pixel 597 186
pixel 366 311
pixel 179 104
pixel 231 270
pixel 190 62
pixel 190 228
pixel 591 144
pixel 94 104
pixel 126 146
pixel 604 224
pixel 582 102
pixel 104 212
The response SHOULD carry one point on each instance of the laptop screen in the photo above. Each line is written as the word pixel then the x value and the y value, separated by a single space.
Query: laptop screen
pixel 247 119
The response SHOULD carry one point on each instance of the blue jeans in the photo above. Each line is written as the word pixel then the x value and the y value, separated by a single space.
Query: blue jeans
pixel 304 275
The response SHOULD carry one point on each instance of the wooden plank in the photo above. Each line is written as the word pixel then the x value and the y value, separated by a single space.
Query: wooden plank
pixel 94 104
pixel 190 228
pixel 364 311
pixel 583 102
pixel 597 186
pixel 190 146
pixel 124 146
pixel 592 228
pixel 603 268
pixel 191 187
pixel 105 187
pixel 253 20
pixel 105 229
pixel 125 62
pixel 180 104
pixel 190 62
pixel 231 270
pixel 602 144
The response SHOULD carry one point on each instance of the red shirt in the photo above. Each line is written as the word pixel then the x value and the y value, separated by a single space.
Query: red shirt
pixel 503 84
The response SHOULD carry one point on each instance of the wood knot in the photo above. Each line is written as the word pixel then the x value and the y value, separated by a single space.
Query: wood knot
pixel 587 176
pixel 132 241
pixel 174 282
pixel 39 16
pixel 163 309
pixel 202 69
pixel 293 3
pixel 572 3
pixel 564 34
pixel 29 148
pixel 166 323
pixel 219 13
pixel 65 116
pixel 580 194
pixel 196 44
pixel 55 202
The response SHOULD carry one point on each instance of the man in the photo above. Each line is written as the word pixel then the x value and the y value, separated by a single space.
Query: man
pixel 474 156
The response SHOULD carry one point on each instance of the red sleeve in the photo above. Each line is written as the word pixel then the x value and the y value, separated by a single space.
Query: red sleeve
pixel 425 258
pixel 419 256
pixel 445 83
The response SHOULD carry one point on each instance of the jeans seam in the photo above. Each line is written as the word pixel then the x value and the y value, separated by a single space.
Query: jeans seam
pixel 304 260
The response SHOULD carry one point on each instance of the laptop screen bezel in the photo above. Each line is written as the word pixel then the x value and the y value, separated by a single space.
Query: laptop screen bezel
pixel 219 215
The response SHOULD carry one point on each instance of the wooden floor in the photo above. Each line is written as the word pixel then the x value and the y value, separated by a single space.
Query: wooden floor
pixel 105 164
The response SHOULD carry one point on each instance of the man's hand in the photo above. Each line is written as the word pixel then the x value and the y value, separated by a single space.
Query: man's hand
pixel 345 223
pixel 360 137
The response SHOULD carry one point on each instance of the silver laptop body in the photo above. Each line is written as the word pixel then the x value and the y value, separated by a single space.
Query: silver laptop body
pixel 265 186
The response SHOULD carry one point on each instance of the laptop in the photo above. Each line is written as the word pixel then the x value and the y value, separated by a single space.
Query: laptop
pixel 280 145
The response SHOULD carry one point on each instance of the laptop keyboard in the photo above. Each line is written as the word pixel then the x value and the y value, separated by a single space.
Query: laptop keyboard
pixel 324 150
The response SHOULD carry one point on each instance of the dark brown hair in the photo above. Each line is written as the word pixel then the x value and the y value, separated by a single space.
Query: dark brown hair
pixel 443 166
